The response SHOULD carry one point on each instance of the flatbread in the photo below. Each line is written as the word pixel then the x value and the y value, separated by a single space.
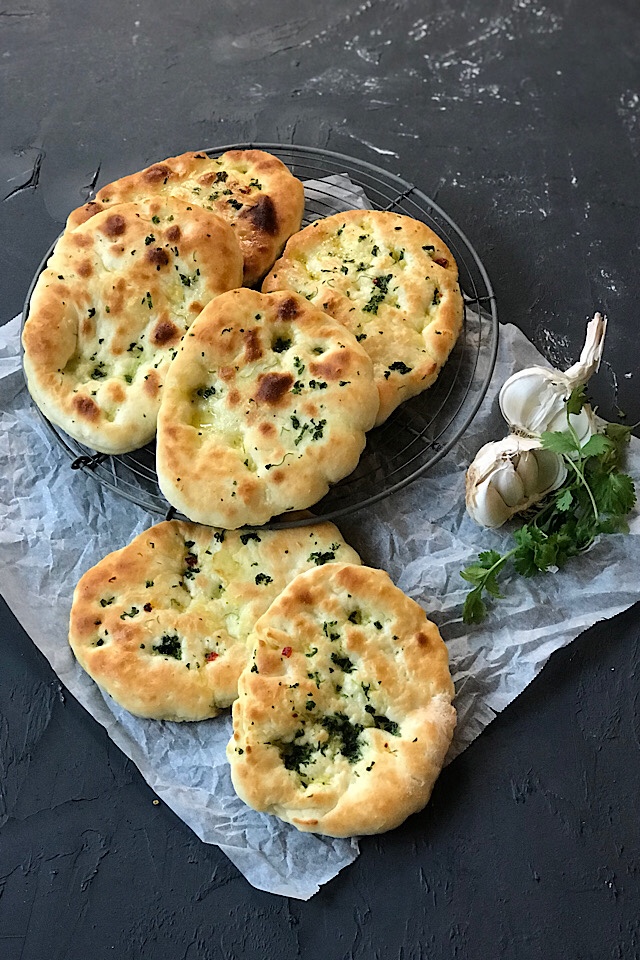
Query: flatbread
pixel 391 281
pixel 162 624
pixel 252 190
pixel 344 713
pixel 266 405
pixel 109 311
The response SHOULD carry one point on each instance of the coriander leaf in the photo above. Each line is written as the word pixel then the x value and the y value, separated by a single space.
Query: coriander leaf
pixel 618 432
pixel 614 493
pixel 577 399
pixel 491 586
pixel 524 563
pixel 484 576
pixel 614 525
pixel 488 558
pixel 597 445
pixel 527 537
pixel 474 573
pixel 567 545
pixel 545 554
pixel 474 609
pixel 564 499
pixel 558 442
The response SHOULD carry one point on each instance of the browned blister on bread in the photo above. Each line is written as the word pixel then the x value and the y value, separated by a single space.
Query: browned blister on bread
pixel 265 406
pixel 344 713
pixel 391 281
pixel 109 312
pixel 162 624
pixel 251 189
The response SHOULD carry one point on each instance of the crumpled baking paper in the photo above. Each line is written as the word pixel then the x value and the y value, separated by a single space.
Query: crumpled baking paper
pixel 55 523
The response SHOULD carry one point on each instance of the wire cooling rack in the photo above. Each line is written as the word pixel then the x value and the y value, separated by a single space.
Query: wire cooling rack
pixel 422 430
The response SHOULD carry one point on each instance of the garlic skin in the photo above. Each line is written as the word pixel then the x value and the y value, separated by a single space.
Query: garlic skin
pixel 509 476
pixel 534 400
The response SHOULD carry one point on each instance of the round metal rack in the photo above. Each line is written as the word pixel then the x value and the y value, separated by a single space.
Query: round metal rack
pixel 422 430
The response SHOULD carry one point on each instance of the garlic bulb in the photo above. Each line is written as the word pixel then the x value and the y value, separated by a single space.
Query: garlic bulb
pixel 509 476
pixel 534 400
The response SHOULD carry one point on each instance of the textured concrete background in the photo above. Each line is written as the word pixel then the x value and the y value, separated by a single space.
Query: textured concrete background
pixel 522 119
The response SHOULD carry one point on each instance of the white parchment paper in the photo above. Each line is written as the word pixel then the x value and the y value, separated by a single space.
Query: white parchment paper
pixel 55 523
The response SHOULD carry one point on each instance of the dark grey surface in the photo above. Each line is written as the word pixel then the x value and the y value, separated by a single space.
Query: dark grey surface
pixel 523 120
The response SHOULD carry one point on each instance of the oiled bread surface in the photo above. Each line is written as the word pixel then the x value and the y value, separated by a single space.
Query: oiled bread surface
pixel 162 624
pixel 344 712
pixel 110 309
pixel 251 189
pixel 391 281
pixel 266 405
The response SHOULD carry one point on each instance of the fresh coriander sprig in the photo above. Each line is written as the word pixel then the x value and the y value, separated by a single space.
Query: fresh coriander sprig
pixel 595 498
pixel 483 575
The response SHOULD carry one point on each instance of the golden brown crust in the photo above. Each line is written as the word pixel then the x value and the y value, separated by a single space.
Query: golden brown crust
pixel 110 309
pixel 391 281
pixel 344 713
pixel 252 190
pixel 266 404
pixel 162 624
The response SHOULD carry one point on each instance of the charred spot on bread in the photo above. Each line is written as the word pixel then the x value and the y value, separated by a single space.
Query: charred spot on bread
pixel 115 225
pixel 158 172
pixel 263 215
pixel 86 408
pixel 252 347
pixel 164 332
pixel 288 309
pixel 157 256
pixel 273 386
pixel 329 369
pixel 84 269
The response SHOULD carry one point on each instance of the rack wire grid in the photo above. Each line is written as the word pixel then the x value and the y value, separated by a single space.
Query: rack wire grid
pixel 419 432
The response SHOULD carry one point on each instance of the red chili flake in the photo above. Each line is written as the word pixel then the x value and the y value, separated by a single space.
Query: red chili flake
pixel 191 560
pixel 286 651
pixel 148 607
pixel 211 656
pixel 442 261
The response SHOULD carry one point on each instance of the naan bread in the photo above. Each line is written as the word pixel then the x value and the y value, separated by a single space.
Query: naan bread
pixel 391 281
pixel 344 713
pixel 265 406
pixel 109 311
pixel 162 624
pixel 252 190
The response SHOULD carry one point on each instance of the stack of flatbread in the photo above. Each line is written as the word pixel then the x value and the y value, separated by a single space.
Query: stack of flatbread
pixel 145 323
pixel 132 272
pixel 148 322
pixel 340 684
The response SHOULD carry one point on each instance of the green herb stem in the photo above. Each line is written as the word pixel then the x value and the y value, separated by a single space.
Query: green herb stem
pixel 595 498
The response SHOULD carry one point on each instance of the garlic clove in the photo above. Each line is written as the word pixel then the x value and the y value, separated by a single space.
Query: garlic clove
pixel 552 472
pixel 528 470
pixel 507 483
pixel 534 400
pixel 585 423
pixel 486 506
pixel 508 476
